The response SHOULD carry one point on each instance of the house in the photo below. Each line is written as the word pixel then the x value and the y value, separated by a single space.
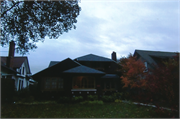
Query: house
pixel 7 71
pixel 85 75
pixel 16 68
pixel 153 58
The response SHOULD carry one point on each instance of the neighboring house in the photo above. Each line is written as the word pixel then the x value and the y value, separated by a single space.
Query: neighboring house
pixel 89 74
pixel 153 58
pixel 16 68
pixel 7 71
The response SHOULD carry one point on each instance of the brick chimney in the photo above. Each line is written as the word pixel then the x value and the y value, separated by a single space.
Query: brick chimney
pixel 10 57
pixel 113 56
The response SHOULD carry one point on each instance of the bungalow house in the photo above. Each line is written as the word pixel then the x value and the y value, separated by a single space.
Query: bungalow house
pixel 153 58
pixel 16 68
pixel 85 75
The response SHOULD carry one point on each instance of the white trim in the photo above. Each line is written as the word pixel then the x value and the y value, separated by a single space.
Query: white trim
pixel 83 89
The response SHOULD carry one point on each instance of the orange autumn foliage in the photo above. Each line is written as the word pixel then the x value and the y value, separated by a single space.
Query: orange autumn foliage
pixel 133 72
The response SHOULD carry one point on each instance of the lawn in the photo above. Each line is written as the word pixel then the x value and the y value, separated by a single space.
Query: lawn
pixel 106 110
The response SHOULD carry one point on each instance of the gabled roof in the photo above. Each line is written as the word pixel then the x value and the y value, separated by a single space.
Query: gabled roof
pixel 83 70
pixel 53 63
pixel 92 57
pixel 148 55
pixel 7 69
pixel 57 69
pixel 17 62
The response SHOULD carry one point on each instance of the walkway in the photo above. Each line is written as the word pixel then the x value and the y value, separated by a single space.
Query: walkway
pixel 136 103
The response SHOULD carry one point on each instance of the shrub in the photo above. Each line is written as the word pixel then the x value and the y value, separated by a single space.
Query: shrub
pixel 28 99
pixel 118 101
pixel 126 95
pixel 77 99
pixel 100 102
pixel 107 98
pixel 23 95
pixel 23 92
pixel 92 97
pixel 63 100
pixel 117 95
pixel 7 90
pixel 23 99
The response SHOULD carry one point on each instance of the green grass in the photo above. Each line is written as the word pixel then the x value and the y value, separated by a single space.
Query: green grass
pixel 53 110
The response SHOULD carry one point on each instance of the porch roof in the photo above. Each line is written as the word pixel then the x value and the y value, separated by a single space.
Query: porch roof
pixel 110 76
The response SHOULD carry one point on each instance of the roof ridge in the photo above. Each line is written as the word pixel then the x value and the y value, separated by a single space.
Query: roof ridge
pixel 156 51
pixel 55 61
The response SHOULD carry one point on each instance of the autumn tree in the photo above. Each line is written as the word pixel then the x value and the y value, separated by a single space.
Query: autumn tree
pixel 133 72
pixel 163 82
pixel 27 22
pixel 133 77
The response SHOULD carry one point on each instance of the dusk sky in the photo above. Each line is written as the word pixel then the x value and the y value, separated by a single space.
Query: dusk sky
pixel 105 26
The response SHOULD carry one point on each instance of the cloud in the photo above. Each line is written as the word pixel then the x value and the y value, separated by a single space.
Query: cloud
pixel 120 26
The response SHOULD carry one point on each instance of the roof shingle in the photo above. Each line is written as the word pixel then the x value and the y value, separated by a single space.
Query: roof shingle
pixel 57 69
pixel 147 55
pixel 17 61
pixel 53 63
pixel 92 57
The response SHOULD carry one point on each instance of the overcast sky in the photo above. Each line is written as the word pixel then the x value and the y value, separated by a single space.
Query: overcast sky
pixel 105 26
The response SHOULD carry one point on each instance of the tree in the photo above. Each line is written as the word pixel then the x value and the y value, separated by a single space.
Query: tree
pixel 163 82
pixel 133 78
pixel 133 72
pixel 27 22
pixel 159 85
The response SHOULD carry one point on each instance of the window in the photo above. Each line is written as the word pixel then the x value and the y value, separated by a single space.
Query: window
pixel 19 84
pixel 15 86
pixel 60 83
pixel 112 84
pixel 83 82
pixel 109 85
pixel 145 63
pixel 48 83
pixel 53 83
pixel 91 83
pixel 20 70
pixel 23 71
